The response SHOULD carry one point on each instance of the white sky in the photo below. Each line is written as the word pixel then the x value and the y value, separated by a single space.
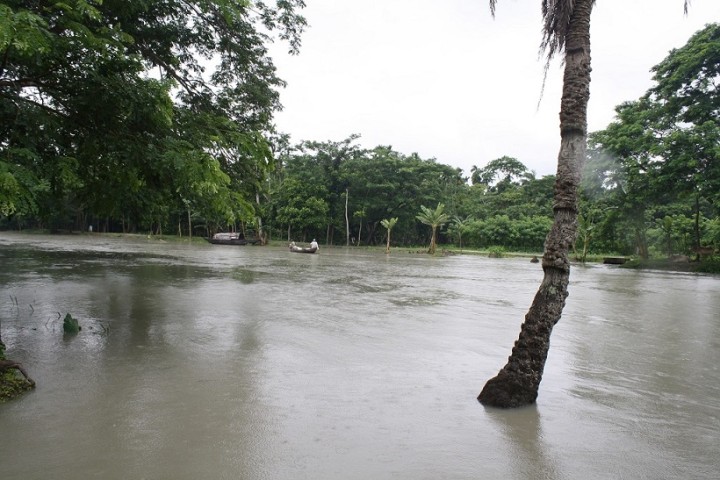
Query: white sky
pixel 446 80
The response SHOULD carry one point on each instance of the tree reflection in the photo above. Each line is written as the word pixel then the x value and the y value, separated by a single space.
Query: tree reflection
pixel 522 430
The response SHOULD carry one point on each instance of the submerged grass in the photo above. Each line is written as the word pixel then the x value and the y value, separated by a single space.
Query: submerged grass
pixel 12 383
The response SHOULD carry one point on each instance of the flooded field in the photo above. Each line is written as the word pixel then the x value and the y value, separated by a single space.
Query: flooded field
pixel 247 362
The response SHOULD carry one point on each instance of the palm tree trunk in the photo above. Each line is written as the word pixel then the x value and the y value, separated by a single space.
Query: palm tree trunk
pixel 518 382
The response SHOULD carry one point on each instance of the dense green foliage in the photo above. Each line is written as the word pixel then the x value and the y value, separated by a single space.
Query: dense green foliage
pixel 651 183
pixel 157 117
pixel 321 189
pixel 134 114
pixel 653 180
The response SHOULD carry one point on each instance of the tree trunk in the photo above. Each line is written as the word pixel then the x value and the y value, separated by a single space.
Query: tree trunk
pixel 518 382
pixel 696 227
pixel 371 229
pixel 189 224
pixel 347 219
pixel 641 243
pixel 258 220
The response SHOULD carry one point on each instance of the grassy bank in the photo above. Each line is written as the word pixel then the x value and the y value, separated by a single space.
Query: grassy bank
pixel 708 265
pixel 12 383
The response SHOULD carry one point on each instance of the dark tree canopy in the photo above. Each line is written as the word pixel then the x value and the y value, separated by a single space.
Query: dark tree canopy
pixel 129 109
pixel 663 148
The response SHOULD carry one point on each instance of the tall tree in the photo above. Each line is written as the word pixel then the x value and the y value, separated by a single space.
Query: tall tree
pixel 687 99
pixel 327 159
pixel 92 94
pixel 663 147
pixel 498 174
pixel 566 28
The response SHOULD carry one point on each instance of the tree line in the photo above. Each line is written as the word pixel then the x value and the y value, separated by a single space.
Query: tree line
pixel 650 185
pixel 157 117
pixel 340 192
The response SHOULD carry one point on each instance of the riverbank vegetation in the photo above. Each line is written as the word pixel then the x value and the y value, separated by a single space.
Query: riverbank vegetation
pixel 14 379
pixel 106 124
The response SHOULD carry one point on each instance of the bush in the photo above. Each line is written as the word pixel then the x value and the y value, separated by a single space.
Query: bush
pixel 496 252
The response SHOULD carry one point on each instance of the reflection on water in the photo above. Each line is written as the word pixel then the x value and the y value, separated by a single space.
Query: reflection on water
pixel 529 456
pixel 202 361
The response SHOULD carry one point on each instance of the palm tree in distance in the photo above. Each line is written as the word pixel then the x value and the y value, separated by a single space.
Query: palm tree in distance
pixel 566 28
pixel 388 224
pixel 461 224
pixel 435 218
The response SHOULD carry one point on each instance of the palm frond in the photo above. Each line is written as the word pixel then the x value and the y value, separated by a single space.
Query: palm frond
pixel 556 16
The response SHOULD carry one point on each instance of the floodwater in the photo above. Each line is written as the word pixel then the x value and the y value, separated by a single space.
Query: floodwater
pixel 221 362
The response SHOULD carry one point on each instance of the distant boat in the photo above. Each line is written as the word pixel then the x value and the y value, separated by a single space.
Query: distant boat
pixel 228 238
pixel 295 249
pixel 614 260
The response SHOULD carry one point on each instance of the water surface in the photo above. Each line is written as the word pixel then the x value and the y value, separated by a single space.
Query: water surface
pixel 202 361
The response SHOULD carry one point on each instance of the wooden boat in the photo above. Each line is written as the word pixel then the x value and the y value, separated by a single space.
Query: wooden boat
pixel 614 260
pixel 227 238
pixel 295 249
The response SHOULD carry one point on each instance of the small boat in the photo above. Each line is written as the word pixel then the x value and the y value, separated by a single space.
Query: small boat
pixel 229 238
pixel 614 260
pixel 295 249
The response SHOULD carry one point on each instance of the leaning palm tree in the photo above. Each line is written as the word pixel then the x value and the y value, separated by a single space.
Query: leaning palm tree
pixel 388 224
pixel 566 28
pixel 435 218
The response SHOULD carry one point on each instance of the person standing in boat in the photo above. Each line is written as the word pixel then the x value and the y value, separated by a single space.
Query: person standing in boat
pixel 314 245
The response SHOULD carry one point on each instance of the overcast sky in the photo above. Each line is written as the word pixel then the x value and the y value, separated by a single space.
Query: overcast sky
pixel 446 80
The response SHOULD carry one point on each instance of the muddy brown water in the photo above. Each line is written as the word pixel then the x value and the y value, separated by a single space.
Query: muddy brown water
pixel 217 362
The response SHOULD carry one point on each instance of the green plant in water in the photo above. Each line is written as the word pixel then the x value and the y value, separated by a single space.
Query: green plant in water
pixel 70 325
pixel 11 384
